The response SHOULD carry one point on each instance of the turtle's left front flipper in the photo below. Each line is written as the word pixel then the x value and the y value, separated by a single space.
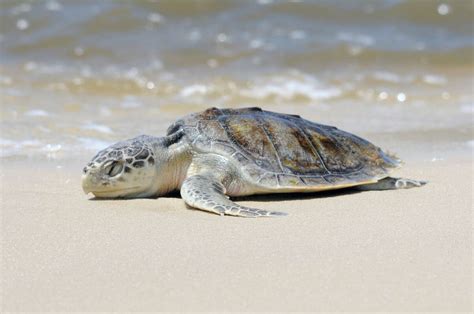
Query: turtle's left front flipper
pixel 207 193
pixel 390 183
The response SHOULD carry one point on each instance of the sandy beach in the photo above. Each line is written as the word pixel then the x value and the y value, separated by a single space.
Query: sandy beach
pixel 77 76
pixel 407 250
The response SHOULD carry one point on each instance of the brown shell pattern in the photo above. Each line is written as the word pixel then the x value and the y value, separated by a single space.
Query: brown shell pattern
pixel 285 150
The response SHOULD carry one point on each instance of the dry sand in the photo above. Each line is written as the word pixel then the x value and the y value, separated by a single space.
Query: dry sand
pixel 408 250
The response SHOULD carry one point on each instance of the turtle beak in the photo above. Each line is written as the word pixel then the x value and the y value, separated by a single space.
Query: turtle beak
pixel 90 180
pixel 86 184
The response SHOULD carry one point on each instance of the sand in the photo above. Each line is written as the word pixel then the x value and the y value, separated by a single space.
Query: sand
pixel 408 250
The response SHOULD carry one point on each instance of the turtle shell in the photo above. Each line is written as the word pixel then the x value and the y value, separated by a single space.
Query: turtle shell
pixel 282 151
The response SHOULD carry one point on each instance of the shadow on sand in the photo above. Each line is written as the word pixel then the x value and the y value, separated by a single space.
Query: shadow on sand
pixel 265 197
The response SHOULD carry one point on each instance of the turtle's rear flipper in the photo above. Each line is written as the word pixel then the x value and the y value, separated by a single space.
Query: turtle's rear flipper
pixel 206 193
pixel 390 183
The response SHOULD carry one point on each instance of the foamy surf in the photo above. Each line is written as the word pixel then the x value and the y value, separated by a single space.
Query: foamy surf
pixel 66 79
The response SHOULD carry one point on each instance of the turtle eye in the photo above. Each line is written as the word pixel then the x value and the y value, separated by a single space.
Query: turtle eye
pixel 114 168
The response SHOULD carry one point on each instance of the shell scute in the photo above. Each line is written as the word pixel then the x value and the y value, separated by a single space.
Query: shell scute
pixel 335 179
pixel 268 179
pixel 314 181
pixel 246 132
pixel 210 114
pixel 222 147
pixel 240 158
pixel 212 129
pixel 285 151
pixel 289 180
pixel 337 157
pixel 295 152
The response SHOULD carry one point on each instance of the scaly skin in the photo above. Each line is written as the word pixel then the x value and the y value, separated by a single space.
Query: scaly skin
pixel 218 153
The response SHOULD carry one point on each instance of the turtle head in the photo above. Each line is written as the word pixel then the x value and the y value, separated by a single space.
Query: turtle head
pixel 126 169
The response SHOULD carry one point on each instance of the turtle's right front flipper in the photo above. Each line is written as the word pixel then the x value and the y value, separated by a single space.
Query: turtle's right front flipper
pixel 205 192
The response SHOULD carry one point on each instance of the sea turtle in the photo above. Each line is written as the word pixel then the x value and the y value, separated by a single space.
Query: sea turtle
pixel 218 153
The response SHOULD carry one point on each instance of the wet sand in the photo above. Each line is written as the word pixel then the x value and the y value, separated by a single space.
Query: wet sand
pixel 408 250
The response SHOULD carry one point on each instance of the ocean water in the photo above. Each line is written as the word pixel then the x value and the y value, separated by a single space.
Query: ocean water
pixel 76 76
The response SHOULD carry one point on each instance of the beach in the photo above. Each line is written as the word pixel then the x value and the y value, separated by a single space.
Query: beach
pixel 78 76
pixel 406 250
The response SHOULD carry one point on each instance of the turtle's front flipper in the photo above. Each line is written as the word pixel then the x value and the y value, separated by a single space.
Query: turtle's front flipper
pixel 206 193
pixel 390 183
